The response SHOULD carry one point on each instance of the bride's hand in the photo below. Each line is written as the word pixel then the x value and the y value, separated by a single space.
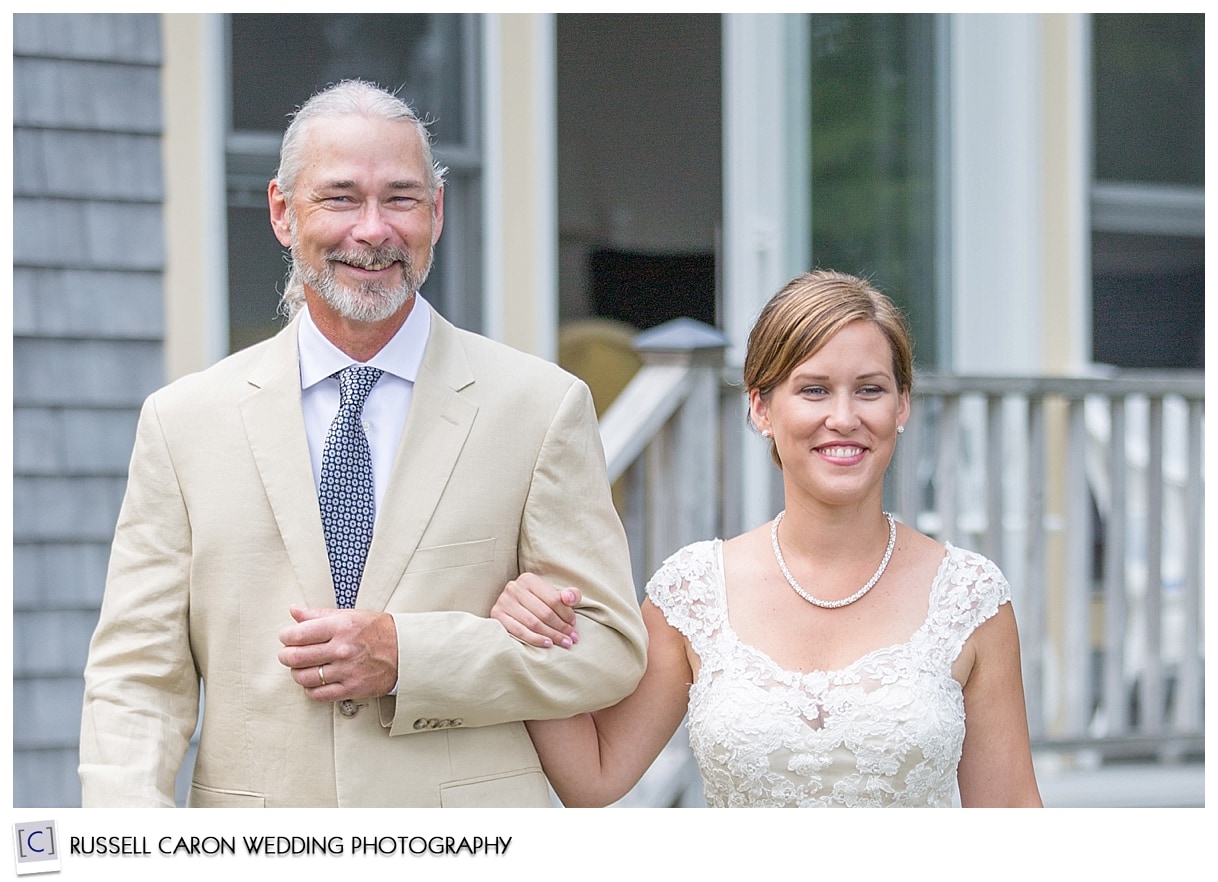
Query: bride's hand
pixel 535 612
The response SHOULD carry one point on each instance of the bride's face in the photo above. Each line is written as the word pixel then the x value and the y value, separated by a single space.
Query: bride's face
pixel 834 418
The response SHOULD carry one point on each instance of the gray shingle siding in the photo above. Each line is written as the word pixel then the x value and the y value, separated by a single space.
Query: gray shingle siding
pixel 88 326
pixel 38 706
pixel 71 567
pixel 65 509
pixel 40 775
pixel 92 303
pixel 119 166
pixel 83 373
pixel 53 643
pixel 86 96
pixel 128 39
pixel 87 235
pixel 76 442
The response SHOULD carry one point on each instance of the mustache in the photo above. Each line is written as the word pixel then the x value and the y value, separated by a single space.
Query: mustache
pixel 371 258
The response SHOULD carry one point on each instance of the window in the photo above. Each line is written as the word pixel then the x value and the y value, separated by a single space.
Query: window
pixel 1147 193
pixel 875 177
pixel 276 63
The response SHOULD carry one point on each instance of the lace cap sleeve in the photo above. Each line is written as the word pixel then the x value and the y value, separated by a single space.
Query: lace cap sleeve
pixel 687 588
pixel 972 592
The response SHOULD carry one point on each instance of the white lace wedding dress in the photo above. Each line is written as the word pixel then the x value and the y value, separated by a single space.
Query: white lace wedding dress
pixel 884 731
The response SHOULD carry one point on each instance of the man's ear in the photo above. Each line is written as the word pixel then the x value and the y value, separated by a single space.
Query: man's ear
pixel 437 215
pixel 279 213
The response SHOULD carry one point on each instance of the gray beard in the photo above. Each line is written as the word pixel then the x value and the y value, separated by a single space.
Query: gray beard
pixel 371 302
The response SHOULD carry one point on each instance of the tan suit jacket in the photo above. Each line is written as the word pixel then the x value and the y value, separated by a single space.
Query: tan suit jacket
pixel 500 470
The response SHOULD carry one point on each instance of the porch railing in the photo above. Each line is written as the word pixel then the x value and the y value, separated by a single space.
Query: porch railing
pixel 1087 491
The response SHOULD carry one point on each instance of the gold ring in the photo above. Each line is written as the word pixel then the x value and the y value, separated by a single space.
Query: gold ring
pixel 321 675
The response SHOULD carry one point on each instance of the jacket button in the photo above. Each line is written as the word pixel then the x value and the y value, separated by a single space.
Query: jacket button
pixel 348 708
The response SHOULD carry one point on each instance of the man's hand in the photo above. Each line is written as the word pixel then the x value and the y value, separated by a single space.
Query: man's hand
pixel 341 653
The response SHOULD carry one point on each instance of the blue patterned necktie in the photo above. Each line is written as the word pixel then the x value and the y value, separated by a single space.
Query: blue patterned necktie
pixel 346 494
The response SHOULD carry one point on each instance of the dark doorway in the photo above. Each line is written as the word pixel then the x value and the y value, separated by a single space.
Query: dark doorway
pixel 639 166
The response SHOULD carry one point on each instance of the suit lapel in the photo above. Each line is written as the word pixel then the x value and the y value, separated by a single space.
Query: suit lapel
pixel 274 426
pixel 439 422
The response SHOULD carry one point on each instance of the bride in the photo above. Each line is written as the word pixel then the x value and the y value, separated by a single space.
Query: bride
pixel 832 657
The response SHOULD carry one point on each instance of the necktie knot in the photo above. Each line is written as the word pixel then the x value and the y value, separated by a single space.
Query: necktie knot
pixel 354 385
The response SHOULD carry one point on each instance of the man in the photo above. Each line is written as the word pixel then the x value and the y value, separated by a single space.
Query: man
pixel 477 464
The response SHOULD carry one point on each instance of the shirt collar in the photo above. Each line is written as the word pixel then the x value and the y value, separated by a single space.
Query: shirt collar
pixel 401 356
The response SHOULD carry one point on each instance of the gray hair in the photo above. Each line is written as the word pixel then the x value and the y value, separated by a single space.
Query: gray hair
pixel 351 97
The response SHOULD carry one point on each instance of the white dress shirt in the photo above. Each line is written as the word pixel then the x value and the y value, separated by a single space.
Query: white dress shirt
pixel 384 414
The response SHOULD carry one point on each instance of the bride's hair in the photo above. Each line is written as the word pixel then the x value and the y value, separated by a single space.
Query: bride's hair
pixel 810 309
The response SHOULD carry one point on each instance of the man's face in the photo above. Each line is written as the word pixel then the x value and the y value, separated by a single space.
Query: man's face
pixel 361 224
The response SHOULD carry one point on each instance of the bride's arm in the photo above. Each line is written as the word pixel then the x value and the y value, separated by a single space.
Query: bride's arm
pixel 996 760
pixel 594 759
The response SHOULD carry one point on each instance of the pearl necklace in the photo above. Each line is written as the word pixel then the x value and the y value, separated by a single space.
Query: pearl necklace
pixel 833 604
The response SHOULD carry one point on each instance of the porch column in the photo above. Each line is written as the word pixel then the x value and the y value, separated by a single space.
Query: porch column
pixel 520 294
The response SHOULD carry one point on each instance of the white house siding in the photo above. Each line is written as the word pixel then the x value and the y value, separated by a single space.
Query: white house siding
pixel 88 319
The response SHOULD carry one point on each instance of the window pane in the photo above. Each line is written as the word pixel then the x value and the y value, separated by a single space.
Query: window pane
pixel 873 158
pixel 1148 197
pixel 256 271
pixel 1150 98
pixel 280 60
pixel 1148 301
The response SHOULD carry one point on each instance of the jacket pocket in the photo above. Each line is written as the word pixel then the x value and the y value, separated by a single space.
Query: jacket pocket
pixel 459 554
pixel 207 797
pixel 526 788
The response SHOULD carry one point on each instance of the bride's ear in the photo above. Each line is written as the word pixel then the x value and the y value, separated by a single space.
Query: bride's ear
pixel 759 414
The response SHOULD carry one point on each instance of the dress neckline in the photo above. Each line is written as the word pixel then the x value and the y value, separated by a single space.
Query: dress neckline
pixel 730 632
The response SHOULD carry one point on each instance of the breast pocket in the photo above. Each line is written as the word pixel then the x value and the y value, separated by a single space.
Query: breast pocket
pixel 462 576
pixel 459 554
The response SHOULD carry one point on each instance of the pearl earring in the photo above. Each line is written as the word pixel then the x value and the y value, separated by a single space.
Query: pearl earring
pixel 766 433
pixel 900 430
